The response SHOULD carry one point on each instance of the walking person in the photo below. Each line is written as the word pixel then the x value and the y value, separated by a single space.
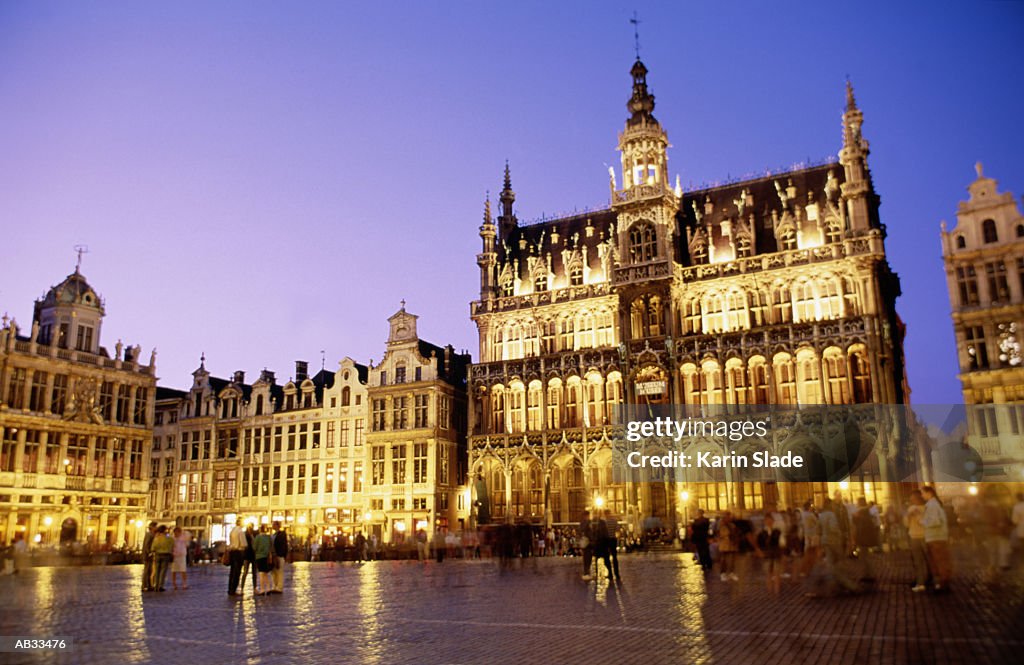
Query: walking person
pixel 865 539
pixel 179 566
pixel 915 533
pixel 163 552
pixel 360 547
pixel 601 543
pixel 585 543
pixel 236 558
pixel 936 539
pixel 613 541
pixel 147 557
pixel 810 526
pixel 280 558
pixel 727 538
pixel 769 545
pixel 263 559
pixel 834 552
pixel 700 534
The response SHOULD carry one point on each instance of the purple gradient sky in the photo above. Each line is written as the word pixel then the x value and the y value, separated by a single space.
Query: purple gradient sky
pixel 261 182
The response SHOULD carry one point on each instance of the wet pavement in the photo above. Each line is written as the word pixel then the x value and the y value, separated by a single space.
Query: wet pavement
pixel 663 611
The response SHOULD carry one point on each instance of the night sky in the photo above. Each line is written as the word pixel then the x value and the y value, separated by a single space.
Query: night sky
pixel 262 181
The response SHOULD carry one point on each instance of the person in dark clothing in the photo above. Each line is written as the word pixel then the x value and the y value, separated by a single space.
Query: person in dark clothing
pixel 280 556
pixel 700 534
pixel 865 539
pixel 613 540
pixel 360 547
pixel 585 541
pixel 601 543
pixel 147 558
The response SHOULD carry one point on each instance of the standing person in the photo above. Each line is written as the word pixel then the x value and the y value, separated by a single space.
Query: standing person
pixel 915 532
pixel 834 551
pixel 613 541
pixel 893 527
pixel 865 538
pixel 249 562
pixel 19 552
pixel 842 514
pixel 936 538
pixel 727 538
pixel 236 557
pixel 439 545
pixel 180 564
pixel 601 542
pixel 280 557
pixel 263 559
pixel 163 551
pixel 997 528
pixel 360 547
pixel 769 545
pixel 585 542
pixel 811 528
pixel 422 548
pixel 147 558
pixel 700 533
pixel 1017 517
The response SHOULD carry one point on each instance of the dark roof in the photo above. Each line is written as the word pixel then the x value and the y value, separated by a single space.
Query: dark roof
pixel 572 235
pixel 457 362
pixel 163 393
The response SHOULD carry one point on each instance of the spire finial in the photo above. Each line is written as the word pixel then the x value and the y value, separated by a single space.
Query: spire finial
pixel 978 170
pixel 403 304
pixel 202 360
pixel 487 208
pixel 508 177
pixel 80 249
pixel 851 103
pixel 636 34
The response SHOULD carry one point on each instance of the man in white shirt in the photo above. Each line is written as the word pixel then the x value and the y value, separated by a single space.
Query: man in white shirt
pixel 236 554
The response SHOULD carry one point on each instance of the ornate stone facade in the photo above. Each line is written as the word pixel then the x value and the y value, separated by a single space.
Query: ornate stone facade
pixel 75 425
pixel 772 291
pixel 984 258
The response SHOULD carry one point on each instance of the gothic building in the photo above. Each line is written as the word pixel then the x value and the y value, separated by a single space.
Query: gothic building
pixel 770 291
pixel 75 425
pixel 984 259
pixel 307 453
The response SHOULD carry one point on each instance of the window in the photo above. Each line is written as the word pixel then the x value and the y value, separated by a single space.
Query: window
pixel 540 283
pixel 642 243
pixel 444 412
pixel 30 456
pixel 139 417
pixel 977 352
pixel 346 396
pixel 576 275
pixel 357 477
pixel 107 400
pixel 443 465
pixel 419 503
pixel 960 242
pixel 377 466
pixel 400 374
pixel 378 415
pixel 967 281
pixel 76 455
pixel 998 289
pixel 314 436
pixel 358 440
pixel 8 446
pixel 384 378
pixel 398 463
pixel 84 340
pixel 16 388
pixel 988 231
pixel 420 410
pixel 419 374
pixel 1009 346
pixel 38 391
pixel 419 463
pixel 344 434
pixel 124 395
pixel 399 413
pixel 59 396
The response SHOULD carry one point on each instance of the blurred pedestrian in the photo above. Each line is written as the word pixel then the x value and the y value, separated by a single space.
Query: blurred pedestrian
pixel 865 539
pixel 811 530
pixel 147 557
pixel 613 540
pixel 585 542
pixel 769 545
pixel 163 553
pixel 179 566
pixel 936 539
pixel 727 538
pixel 918 550
pixel 263 559
pixel 280 558
pixel 236 557
pixel 700 534
pixel 249 562
pixel 360 547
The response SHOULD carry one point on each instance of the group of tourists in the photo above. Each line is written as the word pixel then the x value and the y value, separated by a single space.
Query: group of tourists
pixel 832 547
pixel 261 553
pixel 165 549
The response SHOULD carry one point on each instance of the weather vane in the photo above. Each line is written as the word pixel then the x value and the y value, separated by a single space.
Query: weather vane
pixel 636 34
pixel 80 249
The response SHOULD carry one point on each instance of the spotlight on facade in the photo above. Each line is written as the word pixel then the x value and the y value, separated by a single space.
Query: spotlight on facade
pixel 844 485
pixel 47 521
pixel 139 523
pixel 302 519
pixel 38 538
pixel 684 496
pixel 973 490
pixel 599 502
pixel 867 487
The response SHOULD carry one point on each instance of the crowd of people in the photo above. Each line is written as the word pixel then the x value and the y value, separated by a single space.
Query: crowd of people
pixel 831 548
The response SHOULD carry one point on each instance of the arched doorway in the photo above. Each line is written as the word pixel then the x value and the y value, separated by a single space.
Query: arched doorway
pixel 68 531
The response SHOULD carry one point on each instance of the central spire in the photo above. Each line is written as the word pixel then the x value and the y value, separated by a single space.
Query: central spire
pixel 641 103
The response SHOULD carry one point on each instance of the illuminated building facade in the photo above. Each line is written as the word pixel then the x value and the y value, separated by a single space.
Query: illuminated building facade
pixel 769 291
pixel 984 259
pixel 301 453
pixel 75 425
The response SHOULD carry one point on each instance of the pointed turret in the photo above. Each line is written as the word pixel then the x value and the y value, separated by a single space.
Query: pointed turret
pixel 487 259
pixel 507 220
pixel 854 158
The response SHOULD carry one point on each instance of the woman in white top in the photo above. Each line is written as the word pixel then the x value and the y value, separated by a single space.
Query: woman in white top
pixel 179 566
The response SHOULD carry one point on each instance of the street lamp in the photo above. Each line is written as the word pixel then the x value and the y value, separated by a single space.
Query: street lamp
pixel 599 502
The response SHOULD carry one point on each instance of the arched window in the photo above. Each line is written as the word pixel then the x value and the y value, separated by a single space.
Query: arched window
pixel 534 416
pixel 636 318
pixel 576 275
pixel 785 379
pixel 654 318
pixel 860 371
pixel 835 371
pixel 642 243
pixel 498 409
pixel 961 243
pixel 759 380
pixel 554 419
pixel 259 405
pixel 517 416
pixel 1020 230
pixel 540 282
pixel 988 231
pixel 508 288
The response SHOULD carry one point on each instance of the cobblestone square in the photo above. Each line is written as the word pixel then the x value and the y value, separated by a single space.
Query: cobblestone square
pixel 540 610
